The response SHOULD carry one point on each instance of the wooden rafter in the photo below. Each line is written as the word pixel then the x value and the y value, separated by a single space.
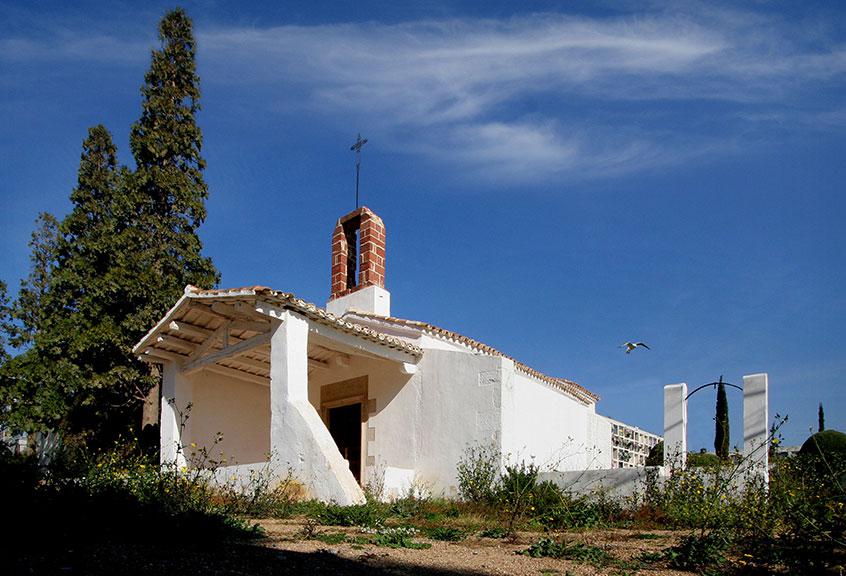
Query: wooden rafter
pixel 227 352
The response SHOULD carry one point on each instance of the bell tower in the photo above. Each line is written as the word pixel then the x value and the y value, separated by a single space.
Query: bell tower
pixel 358 265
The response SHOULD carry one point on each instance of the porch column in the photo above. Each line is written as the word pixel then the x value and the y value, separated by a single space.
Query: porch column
pixel 755 422
pixel 175 430
pixel 675 425
pixel 299 441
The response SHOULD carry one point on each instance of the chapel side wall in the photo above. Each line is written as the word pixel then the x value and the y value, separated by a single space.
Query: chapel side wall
pixel 459 406
pixel 238 409
pixel 546 426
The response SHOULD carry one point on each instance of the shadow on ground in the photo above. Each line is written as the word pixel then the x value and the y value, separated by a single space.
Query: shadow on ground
pixel 236 558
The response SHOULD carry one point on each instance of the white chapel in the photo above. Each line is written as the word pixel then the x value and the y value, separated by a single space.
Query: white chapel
pixel 339 394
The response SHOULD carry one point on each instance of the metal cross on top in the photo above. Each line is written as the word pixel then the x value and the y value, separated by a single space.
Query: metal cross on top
pixel 357 148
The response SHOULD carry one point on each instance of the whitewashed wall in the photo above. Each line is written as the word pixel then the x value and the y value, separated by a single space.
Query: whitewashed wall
pixel 238 409
pixel 459 406
pixel 391 430
pixel 614 482
pixel 599 435
pixel 540 422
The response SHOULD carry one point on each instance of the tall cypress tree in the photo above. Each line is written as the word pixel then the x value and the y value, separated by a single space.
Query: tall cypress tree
pixel 721 436
pixel 821 419
pixel 168 182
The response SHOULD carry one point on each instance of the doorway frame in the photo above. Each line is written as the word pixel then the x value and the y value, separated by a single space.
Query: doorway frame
pixel 346 393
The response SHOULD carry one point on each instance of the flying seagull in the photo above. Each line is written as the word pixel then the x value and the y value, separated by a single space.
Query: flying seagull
pixel 629 346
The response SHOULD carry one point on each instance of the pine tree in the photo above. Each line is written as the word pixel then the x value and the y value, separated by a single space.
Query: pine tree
pixel 721 437
pixel 821 419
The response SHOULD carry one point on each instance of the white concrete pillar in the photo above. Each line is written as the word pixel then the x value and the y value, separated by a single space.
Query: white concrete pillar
pixel 175 427
pixel 756 424
pixel 299 441
pixel 289 359
pixel 675 425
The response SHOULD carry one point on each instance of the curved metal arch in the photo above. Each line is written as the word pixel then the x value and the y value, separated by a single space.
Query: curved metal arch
pixel 714 384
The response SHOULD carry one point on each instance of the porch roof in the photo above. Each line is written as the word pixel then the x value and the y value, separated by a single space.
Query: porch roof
pixel 222 330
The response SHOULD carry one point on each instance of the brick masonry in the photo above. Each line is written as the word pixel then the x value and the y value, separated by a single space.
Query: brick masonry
pixel 369 254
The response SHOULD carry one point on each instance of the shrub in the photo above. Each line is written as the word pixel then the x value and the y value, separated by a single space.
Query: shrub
pixel 828 444
pixel 516 491
pixel 586 511
pixel 446 533
pixel 478 472
pixel 549 548
pixel 703 460
pixel 698 552
pixel 495 532
pixel 370 514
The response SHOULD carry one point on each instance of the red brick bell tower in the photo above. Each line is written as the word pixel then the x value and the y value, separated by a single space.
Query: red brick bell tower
pixel 358 264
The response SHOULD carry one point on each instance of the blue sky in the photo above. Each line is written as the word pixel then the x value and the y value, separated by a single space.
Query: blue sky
pixel 555 178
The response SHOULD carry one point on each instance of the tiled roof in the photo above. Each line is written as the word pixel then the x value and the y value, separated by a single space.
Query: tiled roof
pixel 568 386
pixel 309 310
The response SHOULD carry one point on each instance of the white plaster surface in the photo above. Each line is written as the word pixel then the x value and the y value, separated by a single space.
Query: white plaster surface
pixel 398 482
pixel 372 299
pixel 675 425
pixel 756 423
pixel 599 436
pixel 300 441
pixel 177 395
pixel 237 409
pixel 614 482
pixel 544 425
pixel 453 412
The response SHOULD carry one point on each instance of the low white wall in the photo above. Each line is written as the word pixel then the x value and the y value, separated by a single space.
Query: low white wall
pixel 615 482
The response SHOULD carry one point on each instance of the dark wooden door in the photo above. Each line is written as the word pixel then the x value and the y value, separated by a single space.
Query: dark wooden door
pixel 345 428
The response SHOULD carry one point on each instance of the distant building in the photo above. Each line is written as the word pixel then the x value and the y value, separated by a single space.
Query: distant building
pixel 630 445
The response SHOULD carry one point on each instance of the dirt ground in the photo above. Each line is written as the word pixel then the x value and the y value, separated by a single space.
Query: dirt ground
pixel 472 556
pixel 284 551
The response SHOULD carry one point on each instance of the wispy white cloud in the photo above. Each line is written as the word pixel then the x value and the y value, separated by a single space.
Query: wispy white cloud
pixel 468 90
pixel 525 99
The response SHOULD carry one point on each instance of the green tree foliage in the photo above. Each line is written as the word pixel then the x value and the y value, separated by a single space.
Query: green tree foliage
pixel 30 307
pixel 104 275
pixel 820 419
pixel 168 181
pixel 656 455
pixel 5 323
pixel 721 436
pixel 30 384
pixel 828 443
